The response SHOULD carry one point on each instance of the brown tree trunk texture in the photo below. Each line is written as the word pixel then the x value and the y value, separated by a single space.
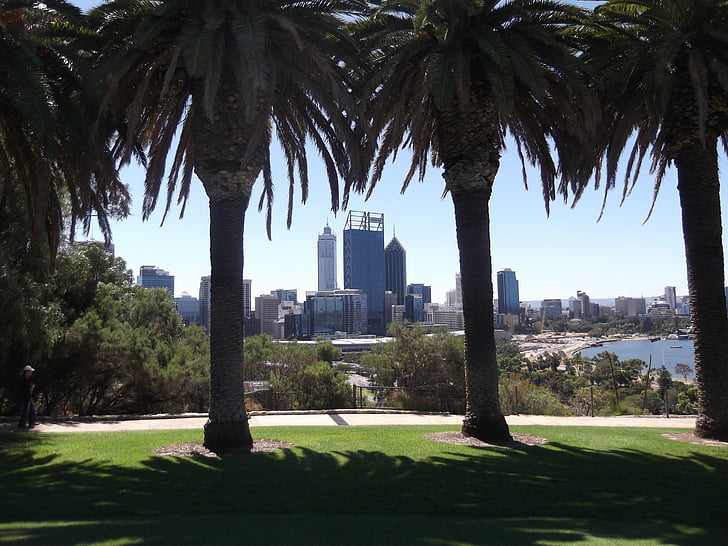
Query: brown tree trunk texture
pixel 220 144
pixel 483 416
pixel 699 189
pixel 227 427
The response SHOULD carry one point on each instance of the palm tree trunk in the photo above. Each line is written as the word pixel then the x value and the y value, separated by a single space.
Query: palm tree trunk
pixel 220 143
pixel 483 416
pixel 227 427
pixel 699 188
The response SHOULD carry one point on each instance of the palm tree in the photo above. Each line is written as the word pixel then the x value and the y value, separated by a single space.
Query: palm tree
pixel 453 78
pixel 224 78
pixel 663 68
pixel 47 154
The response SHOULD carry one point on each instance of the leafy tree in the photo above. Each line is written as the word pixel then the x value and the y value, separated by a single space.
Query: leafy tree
pixel 452 78
pixel 185 381
pixel 608 368
pixel 298 378
pixel 661 66
pixel 326 352
pixel 562 385
pixel 683 369
pixel 258 351
pixel 29 323
pixel 687 401
pixel 314 386
pixel 518 395
pixel 429 369
pixel 79 274
pixel 228 77
pixel 509 357
pixel 664 381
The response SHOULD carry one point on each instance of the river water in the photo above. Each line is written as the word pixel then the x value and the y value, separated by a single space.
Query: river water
pixel 668 352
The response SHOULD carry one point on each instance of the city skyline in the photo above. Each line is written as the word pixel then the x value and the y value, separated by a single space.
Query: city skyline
pixel 554 257
pixel 617 257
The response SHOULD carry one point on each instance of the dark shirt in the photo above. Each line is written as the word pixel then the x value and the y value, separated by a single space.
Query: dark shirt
pixel 25 388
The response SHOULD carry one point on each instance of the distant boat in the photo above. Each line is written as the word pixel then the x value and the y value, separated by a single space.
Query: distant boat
pixel 675 346
pixel 653 339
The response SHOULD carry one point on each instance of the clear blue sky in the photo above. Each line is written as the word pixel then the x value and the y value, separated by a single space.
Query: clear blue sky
pixel 553 256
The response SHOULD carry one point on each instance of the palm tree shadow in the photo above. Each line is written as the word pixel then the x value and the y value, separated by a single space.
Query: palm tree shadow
pixel 559 493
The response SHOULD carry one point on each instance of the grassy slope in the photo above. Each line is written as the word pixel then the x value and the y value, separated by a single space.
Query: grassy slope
pixel 364 485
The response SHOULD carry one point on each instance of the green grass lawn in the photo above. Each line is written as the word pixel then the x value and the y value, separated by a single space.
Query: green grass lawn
pixel 364 485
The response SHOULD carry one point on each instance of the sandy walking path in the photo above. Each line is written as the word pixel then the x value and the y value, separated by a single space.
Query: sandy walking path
pixel 341 418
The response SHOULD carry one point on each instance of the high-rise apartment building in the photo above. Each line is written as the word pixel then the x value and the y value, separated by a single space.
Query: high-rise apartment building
pixel 247 298
pixel 364 263
pixel 551 309
pixel 286 295
pixel 390 301
pixel 395 269
pixel 671 297
pixel 508 297
pixel 151 276
pixel 204 297
pixel 188 308
pixel 327 259
pixel 266 311
pixel 586 306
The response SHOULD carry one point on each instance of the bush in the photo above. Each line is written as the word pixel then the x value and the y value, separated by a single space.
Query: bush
pixel 518 395
pixel 632 405
pixel 315 386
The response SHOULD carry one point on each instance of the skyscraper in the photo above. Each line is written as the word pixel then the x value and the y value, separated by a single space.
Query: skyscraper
pixel 551 309
pixel 395 269
pixel 204 297
pixel 413 307
pixel 629 307
pixel 188 308
pixel 364 263
pixel 285 294
pixel 586 308
pixel 422 289
pixel 508 298
pixel 151 276
pixel 247 297
pixel 327 259
pixel 266 311
pixel 671 297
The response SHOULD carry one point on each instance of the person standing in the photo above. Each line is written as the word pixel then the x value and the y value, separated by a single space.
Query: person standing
pixel 25 395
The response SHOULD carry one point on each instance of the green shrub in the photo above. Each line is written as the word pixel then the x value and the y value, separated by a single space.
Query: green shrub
pixel 314 386
pixel 518 395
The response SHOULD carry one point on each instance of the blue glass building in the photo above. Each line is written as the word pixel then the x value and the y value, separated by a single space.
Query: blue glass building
pixel 413 307
pixel 508 299
pixel 364 263
pixel 423 290
pixel 335 311
pixel 151 276
pixel 395 269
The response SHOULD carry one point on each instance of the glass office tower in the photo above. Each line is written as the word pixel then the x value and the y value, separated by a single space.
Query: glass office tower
pixel 364 263
pixel 508 300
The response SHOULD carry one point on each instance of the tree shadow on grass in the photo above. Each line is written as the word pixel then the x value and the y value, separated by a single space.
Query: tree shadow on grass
pixel 557 493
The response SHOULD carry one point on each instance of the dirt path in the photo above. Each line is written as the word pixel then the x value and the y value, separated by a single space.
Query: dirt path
pixel 340 418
